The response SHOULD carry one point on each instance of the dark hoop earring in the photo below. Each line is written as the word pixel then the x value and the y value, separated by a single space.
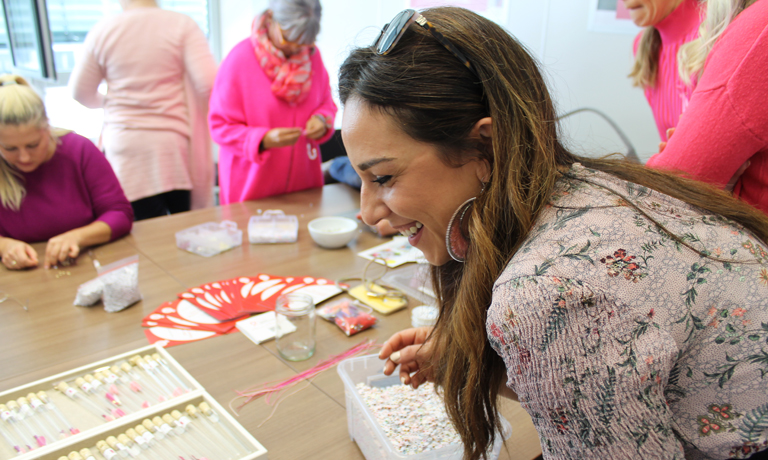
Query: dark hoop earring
pixel 456 241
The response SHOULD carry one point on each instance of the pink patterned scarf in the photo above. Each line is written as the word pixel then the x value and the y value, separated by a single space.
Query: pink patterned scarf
pixel 291 77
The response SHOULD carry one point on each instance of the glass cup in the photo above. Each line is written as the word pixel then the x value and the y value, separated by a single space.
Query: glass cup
pixel 295 326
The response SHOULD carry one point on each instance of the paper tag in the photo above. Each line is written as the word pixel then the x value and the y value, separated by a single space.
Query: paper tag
pixel 165 428
pixel 85 387
pixel 71 392
pixel 36 403
pixel 109 454
pixel 261 328
pixel 111 378
pixel 95 384
pixel 140 440
pixel 148 437
pixel 5 415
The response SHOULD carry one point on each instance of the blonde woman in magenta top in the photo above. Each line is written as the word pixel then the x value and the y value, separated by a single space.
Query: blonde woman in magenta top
pixel 55 186
pixel 159 71
pixel 669 24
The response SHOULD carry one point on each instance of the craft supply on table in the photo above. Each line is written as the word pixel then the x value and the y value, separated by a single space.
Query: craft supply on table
pixel 380 297
pixel 213 309
pixel 210 238
pixel 349 315
pixel 274 392
pixel 333 232
pixel 414 280
pixel 297 344
pixel 424 315
pixel 187 424
pixel 413 420
pixel 394 253
pixel 365 387
pixel 273 226
pixel 117 285
pixel 260 328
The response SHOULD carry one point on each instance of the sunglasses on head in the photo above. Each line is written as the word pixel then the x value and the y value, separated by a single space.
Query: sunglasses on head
pixel 392 32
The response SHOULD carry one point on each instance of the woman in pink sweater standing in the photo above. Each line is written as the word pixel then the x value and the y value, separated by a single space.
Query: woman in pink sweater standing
pixel 669 24
pixel 271 106
pixel 724 132
pixel 159 71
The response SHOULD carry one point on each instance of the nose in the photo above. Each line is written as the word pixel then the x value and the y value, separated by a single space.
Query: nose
pixel 24 155
pixel 372 207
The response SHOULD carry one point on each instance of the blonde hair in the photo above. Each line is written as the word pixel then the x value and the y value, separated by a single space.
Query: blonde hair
pixel 19 105
pixel 692 56
pixel 646 66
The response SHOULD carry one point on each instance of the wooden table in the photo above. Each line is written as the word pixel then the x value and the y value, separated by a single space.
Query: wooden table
pixel 54 336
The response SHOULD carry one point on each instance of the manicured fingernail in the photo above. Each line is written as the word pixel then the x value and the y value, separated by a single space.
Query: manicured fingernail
pixel 395 357
pixel 402 380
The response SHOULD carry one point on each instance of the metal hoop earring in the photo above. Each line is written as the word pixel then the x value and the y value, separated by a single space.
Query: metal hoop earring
pixel 456 241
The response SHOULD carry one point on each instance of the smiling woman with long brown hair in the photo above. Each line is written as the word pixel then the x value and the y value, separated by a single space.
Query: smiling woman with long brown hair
pixel 621 305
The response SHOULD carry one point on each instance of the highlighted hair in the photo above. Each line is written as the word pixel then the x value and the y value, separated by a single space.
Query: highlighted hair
pixel 693 55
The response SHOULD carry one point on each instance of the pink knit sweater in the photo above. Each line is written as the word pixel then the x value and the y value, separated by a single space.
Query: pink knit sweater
pixel 669 98
pixel 243 109
pixel 726 123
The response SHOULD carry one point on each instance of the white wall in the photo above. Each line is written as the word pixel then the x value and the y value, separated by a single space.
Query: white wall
pixel 584 68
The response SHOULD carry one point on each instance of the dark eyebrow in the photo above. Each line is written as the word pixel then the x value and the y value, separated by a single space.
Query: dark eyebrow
pixel 371 163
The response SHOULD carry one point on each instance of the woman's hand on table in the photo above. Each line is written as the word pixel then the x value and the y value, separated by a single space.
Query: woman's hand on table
pixel 409 349
pixel 280 137
pixel 62 247
pixel 316 127
pixel 17 255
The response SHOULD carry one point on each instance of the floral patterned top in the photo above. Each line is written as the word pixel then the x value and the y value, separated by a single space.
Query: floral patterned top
pixel 622 343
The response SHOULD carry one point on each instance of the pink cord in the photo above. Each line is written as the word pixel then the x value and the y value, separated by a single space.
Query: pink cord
pixel 274 388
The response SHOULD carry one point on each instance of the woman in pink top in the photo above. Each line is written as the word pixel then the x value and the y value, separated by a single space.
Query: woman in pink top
pixel 669 24
pixel 159 71
pixel 271 106
pixel 55 186
pixel 726 124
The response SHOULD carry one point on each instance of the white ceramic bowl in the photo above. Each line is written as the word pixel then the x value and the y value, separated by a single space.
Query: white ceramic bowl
pixel 333 232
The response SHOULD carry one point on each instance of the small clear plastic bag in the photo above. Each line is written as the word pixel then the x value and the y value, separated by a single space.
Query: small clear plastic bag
pixel 351 316
pixel 89 293
pixel 121 283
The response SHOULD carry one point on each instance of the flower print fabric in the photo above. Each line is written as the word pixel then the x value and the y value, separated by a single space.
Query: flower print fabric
pixel 621 342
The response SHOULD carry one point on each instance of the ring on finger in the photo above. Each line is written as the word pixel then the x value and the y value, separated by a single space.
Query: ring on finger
pixel 13 262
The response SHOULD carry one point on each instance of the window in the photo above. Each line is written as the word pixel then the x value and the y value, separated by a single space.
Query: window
pixel 70 21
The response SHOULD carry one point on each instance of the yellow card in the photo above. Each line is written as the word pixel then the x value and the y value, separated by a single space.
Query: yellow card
pixel 385 305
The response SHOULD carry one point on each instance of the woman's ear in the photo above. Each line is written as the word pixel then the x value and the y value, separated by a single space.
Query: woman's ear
pixel 483 129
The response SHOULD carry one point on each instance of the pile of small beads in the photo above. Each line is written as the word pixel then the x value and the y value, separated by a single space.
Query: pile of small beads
pixel 414 420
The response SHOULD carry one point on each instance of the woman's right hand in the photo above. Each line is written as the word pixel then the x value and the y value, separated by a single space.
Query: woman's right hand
pixel 409 349
pixel 280 137
pixel 18 255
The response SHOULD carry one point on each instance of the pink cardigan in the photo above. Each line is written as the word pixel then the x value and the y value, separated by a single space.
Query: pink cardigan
pixel 243 109
pixel 669 98
pixel 726 123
